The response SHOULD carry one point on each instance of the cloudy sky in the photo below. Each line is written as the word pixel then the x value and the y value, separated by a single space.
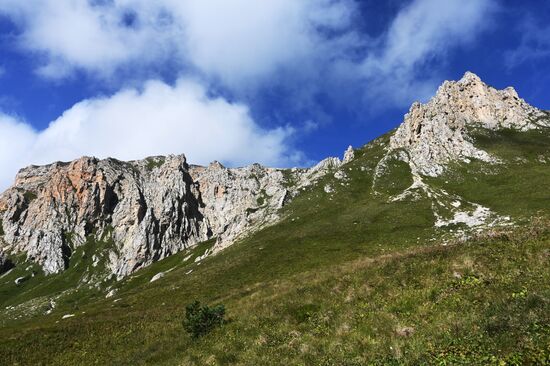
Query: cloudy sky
pixel 280 82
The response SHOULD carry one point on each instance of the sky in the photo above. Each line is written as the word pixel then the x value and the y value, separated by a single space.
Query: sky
pixel 280 82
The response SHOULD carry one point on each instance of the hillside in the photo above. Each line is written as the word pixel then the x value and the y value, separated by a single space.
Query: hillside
pixel 427 245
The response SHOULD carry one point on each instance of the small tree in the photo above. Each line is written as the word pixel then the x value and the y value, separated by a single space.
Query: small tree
pixel 200 320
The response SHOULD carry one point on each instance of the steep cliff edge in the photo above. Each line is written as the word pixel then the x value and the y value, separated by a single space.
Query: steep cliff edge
pixel 147 209
pixel 436 133
pixel 150 208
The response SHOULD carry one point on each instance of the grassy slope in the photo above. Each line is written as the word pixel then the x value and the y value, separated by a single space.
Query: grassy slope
pixel 514 188
pixel 331 284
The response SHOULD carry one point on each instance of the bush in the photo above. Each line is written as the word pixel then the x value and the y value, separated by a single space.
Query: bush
pixel 306 312
pixel 200 320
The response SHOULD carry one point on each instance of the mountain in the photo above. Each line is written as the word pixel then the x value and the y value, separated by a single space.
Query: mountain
pixel 427 245
pixel 149 209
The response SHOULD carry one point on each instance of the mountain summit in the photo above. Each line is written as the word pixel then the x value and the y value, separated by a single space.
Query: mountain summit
pixel 153 208
pixel 436 133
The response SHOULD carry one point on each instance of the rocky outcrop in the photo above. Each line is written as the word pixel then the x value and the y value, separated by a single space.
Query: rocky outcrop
pixel 150 209
pixel 349 155
pixel 145 210
pixel 235 200
pixel 437 132
pixel 5 263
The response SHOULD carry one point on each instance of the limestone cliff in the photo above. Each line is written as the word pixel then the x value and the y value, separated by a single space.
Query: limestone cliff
pixel 148 209
pixel 437 132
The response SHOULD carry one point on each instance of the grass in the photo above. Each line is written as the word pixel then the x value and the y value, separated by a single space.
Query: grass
pixel 69 288
pixel 345 278
pixel 154 162
pixel 260 201
pixel 29 196
pixel 513 187
pixel 481 302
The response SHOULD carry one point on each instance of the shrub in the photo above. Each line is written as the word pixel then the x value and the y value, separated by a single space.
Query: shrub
pixel 200 320
pixel 306 312
pixel 154 162
pixel 29 196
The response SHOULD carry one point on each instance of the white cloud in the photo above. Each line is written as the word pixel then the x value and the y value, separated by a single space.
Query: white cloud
pixel 16 139
pixel 247 43
pixel 90 35
pixel 132 124
pixel 243 40
pixel 422 34
pixel 235 41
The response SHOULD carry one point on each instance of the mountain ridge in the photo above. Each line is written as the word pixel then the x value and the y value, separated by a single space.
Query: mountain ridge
pixel 158 206
pixel 366 262
pixel 138 202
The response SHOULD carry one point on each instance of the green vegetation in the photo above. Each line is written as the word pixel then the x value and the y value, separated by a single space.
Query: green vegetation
pixel 396 177
pixel 260 201
pixel 1 228
pixel 480 302
pixel 345 278
pixel 154 162
pixel 201 320
pixel 69 287
pixel 513 187
pixel 29 196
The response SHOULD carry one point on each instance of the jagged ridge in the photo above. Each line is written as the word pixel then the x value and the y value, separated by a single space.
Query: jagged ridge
pixel 436 133
pixel 150 208
pixel 156 207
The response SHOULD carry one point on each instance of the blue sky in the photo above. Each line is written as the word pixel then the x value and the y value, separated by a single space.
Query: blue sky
pixel 280 82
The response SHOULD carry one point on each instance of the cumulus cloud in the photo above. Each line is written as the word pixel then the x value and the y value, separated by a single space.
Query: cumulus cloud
pixel 243 42
pixel 235 41
pixel 16 139
pixel 96 36
pixel 159 119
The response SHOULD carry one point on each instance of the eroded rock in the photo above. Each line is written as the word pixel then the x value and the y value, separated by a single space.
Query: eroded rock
pixel 145 210
pixel 435 133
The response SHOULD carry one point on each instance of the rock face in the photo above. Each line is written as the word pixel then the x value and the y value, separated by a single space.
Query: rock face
pixel 234 200
pixel 349 155
pixel 5 263
pixel 437 132
pixel 148 209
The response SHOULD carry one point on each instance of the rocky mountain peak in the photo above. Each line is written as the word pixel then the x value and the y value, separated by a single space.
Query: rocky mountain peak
pixel 437 132
pixel 216 165
pixel 145 209
pixel 470 77
pixel 349 155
